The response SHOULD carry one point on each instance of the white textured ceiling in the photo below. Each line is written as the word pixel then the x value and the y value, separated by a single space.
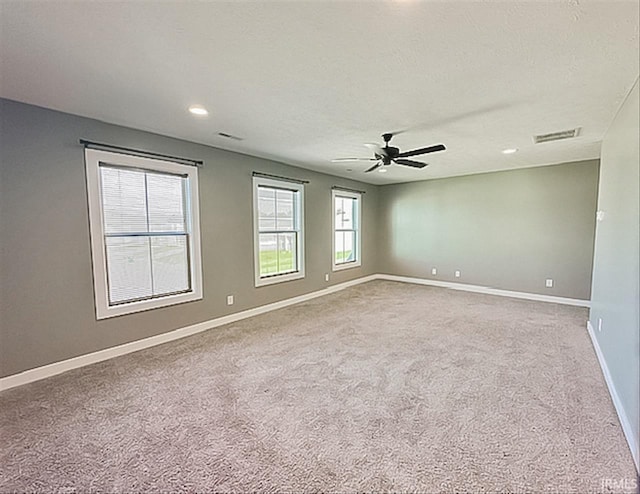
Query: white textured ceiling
pixel 305 82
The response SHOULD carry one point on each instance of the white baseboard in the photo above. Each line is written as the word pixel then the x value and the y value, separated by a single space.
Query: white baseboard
pixel 622 415
pixel 49 370
pixel 486 290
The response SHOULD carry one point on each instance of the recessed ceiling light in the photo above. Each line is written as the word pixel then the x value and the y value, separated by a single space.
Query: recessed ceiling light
pixel 199 110
pixel 382 170
pixel 510 151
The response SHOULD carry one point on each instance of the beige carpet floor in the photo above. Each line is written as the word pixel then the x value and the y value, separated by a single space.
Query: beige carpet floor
pixel 380 387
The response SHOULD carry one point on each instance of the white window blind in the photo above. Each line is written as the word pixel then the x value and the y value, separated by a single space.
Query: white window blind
pixel 146 236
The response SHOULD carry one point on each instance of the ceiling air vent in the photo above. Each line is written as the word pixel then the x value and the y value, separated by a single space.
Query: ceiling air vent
pixel 557 136
pixel 229 136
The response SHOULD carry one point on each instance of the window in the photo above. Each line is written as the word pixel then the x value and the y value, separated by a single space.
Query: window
pixel 278 231
pixel 346 229
pixel 145 238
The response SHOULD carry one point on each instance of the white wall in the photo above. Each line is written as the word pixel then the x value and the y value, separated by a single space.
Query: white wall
pixel 615 292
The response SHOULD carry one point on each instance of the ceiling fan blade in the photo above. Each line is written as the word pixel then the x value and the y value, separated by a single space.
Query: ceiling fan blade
pixel 430 149
pixel 340 160
pixel 377 149
pixel 414 164
pixel 377 165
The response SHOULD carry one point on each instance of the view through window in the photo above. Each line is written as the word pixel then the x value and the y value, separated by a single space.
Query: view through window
pixel 278 230
pixel 346 224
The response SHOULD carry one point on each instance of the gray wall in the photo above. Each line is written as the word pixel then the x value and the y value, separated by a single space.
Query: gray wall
pixel 509 230
pixel 46 292
pixel 616 275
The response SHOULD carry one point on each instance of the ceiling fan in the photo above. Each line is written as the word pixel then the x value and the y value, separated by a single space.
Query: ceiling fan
pixel 386 155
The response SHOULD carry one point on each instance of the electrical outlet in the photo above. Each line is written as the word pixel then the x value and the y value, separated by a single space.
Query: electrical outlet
pixel 548 283
pixel 457 274
pixel 599 324
pixel 434 271
pixel 229 299
pixel 326 277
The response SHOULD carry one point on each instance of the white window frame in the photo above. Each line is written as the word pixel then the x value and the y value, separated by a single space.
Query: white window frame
pixel 358 230
pixel 299 219
pixel 93 159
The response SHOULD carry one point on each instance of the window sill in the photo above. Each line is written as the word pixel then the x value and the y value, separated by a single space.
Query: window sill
pixel 272 280
pixel 105 312
pixel 346 265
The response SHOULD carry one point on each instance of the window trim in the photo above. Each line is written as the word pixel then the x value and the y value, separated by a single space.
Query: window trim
pixel 358 230
pixel 93 159
pixel 278 278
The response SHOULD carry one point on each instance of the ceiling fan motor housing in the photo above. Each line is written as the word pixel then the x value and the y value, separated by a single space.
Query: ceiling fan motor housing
pixel 391 151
